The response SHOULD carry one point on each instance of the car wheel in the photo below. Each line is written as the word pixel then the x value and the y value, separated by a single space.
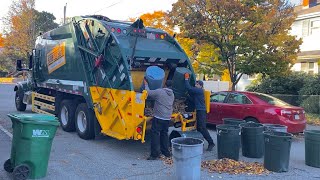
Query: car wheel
pixel 20 106
pixel 84 122
pixel 251 120
pixel 66 114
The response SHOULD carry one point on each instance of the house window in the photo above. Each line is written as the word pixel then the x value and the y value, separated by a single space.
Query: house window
pixel 307 67
pixel 315 27
pixel 305 28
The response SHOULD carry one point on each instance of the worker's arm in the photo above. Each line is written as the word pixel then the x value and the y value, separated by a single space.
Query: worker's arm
pixel 152 93
pixel 191 89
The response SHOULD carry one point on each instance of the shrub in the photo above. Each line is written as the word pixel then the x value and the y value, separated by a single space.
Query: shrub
pixel 311 104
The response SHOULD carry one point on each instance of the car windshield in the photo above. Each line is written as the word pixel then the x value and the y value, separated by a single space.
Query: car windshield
pixel 271 100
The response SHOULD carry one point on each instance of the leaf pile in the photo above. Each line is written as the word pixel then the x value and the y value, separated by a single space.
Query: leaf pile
pixel 167 161
pixel 234 167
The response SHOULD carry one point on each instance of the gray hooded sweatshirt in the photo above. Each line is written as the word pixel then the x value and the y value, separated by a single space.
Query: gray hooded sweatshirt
pixel 163 106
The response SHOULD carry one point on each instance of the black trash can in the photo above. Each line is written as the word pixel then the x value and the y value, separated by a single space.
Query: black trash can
pixel 252 140
pixel 275 127
pixel 228 140
pixel 312 147
pixel 277 150
pixel 233 121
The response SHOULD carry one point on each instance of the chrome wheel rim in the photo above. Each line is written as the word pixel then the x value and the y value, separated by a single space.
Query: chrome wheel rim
pixel 82 121
pixel 64 115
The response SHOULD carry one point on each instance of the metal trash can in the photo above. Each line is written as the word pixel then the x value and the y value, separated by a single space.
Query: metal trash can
pixel 186 154
pixel 228 141
pixel 275 127
pixel 31 145
pixel 277 150
pixel 252 140
pixel 312 147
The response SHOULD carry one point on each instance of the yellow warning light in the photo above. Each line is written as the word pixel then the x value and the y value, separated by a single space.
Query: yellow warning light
pixel 139 136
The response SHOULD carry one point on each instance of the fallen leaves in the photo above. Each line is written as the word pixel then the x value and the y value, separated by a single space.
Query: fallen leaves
pixel 234 167
pixel 166 161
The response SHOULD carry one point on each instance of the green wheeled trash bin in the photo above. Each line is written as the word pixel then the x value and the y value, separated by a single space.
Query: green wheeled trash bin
pixel 277 150
pixel 228 140
pixel 312 147
pixel 31 145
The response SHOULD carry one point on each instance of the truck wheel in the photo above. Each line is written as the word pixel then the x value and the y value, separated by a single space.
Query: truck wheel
pixel 66 115
pixel 20 106
pixel 84 122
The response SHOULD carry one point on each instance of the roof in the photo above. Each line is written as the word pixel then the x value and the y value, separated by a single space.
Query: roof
pixel 300 10
pixel 309 53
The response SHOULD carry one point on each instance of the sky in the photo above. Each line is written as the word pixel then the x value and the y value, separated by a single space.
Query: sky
pixel 114 9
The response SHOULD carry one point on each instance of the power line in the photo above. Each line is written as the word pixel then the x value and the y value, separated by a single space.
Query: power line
pixel 108 6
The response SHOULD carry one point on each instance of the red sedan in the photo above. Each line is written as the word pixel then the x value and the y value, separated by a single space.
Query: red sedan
pixel 257 107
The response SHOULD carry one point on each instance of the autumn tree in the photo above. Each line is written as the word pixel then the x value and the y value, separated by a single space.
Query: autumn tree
pixel 251 35
pixel 19 30
pixel 22 25
pixel 1 40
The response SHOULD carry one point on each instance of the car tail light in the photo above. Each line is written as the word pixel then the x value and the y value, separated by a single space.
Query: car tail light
pixel 139 129
pixel 283 112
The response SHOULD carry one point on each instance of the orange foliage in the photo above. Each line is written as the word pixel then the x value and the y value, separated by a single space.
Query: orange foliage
pixel 157 19
pixel 1 40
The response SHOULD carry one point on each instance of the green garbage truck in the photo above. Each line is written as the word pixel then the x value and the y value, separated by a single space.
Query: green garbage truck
pixel 89 74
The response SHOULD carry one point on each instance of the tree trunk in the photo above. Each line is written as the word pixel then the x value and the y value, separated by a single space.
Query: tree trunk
pixel 233 88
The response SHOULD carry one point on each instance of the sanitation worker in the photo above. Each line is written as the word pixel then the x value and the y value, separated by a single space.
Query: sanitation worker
pixel 163 108
pixel 197 93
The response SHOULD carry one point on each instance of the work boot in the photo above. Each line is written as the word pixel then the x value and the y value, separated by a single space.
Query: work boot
pixel 210 147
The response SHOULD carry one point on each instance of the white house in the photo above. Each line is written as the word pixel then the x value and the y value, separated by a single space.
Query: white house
pixel 307 27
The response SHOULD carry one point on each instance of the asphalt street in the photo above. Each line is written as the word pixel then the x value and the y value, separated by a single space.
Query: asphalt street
pixel 107 158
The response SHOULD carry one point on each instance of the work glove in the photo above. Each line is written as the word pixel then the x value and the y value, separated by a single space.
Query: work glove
pixel 186 76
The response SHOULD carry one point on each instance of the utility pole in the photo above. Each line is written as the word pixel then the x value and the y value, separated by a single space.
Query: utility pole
pixel 64 13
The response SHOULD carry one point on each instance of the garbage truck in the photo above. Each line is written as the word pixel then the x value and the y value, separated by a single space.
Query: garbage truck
pixel 89 74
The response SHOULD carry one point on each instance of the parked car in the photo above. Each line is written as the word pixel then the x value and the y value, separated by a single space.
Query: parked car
pixel 256 107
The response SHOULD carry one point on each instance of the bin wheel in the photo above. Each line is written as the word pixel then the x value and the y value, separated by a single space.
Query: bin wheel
pixel 20 106
pixel 85 122
pixel 21 172
pixel 8 166
pixel 66 115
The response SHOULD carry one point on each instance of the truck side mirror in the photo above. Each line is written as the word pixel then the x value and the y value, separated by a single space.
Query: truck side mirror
pixel 19 65
pixel 30 61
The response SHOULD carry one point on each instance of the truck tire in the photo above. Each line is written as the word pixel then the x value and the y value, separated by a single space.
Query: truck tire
pixel 84 122
pixel 66 115
pixel 20 106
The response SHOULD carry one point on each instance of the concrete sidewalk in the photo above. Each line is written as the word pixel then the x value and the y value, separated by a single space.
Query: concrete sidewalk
pixel 5 147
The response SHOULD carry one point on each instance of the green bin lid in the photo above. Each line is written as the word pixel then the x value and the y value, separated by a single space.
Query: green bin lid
pixel 35 118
